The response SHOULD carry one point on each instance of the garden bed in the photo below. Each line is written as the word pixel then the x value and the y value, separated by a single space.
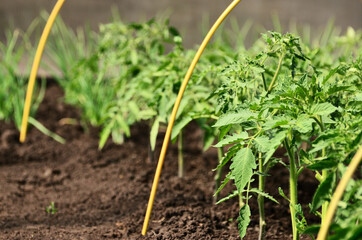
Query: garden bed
pixel 103 194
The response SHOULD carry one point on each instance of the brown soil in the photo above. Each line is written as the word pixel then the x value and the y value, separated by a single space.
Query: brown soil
pixel 104 194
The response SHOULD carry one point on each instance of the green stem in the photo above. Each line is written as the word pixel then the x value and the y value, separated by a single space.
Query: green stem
pixel 293 189
pixel 180 156
pixel 241 202
pixel 264 82
pixel 151 154
pixel 262 223
pixel 220 154
pixel 276 73
pixel 325 204
pixel 324 172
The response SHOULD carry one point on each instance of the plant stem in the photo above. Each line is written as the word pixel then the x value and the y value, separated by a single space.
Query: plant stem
pixel 324 172
pixel 220 154
pixel 264 82
pixel 180 156
pixel 276 73
pixel 151 153
pixel 262 223
pixel 241 202
pixel 325 204
pixel 293 188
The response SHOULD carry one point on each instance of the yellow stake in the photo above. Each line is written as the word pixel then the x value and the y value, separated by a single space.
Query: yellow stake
pixel 35 67
pixel 338 194
pixel 175 108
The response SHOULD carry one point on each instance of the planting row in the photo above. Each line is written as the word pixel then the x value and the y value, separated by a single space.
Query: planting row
pixel 278 93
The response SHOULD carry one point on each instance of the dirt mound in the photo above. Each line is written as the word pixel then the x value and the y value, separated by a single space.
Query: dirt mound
pixel 103 194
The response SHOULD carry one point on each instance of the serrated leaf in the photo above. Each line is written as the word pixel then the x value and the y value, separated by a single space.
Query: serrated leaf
pixel 223 184
pixel 281 193
pixel 330 74
pixel 223 131
pixel 243 220
pixel 322 164
pixel 324 189
pixel 179 126
pixel 264 194
pixel 242 167
pixel 275 142
pixel 262 143
pixel 234 118
pixel 319 146
pixel 326 136
pixel 278 121
pixel 230 153
pixel 326 119
pixel 304 124
pixel 230 196
pixel 154 133
pixel 232 139
pixel 322 109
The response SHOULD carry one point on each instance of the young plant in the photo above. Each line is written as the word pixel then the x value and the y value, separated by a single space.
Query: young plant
pixel 258 120
pixel 51 209
pixel 14 82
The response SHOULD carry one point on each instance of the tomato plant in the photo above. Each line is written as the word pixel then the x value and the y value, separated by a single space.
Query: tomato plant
pixel 263 109
pixel 277 94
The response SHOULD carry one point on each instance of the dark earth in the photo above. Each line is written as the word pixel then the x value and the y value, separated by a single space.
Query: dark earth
pixel 104 194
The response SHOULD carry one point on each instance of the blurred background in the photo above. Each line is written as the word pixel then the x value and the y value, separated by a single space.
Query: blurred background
pixel 188 15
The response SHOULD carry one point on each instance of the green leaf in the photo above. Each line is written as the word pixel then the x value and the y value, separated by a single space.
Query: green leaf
pixel 313 229
pixel 209 137
pixel 323 191
pixel 133 108
pixel 154 133
pixel 243 220
pixel 46 131
pixel 319 146
pixel 229 154
pixel 134 57
pixel 174 31
pixel 123 125
pixel 232 139
pixel 322 109
pixel 264 194
pixel 278 121
pixel 275 143
pixel 179 126
pixel 322 164
pixel 330 74
pixel 281 193
pixel 230 196
pixel 183 104
pixel 263 143
pixel 223 131
pixel 223 184
pixel 234 118
pixel 242 167
pixel 304 124
pixel 105 134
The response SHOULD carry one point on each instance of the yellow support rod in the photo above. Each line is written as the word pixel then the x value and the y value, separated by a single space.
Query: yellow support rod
pixel 338 194
pixel 35 67
pixel 175 108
